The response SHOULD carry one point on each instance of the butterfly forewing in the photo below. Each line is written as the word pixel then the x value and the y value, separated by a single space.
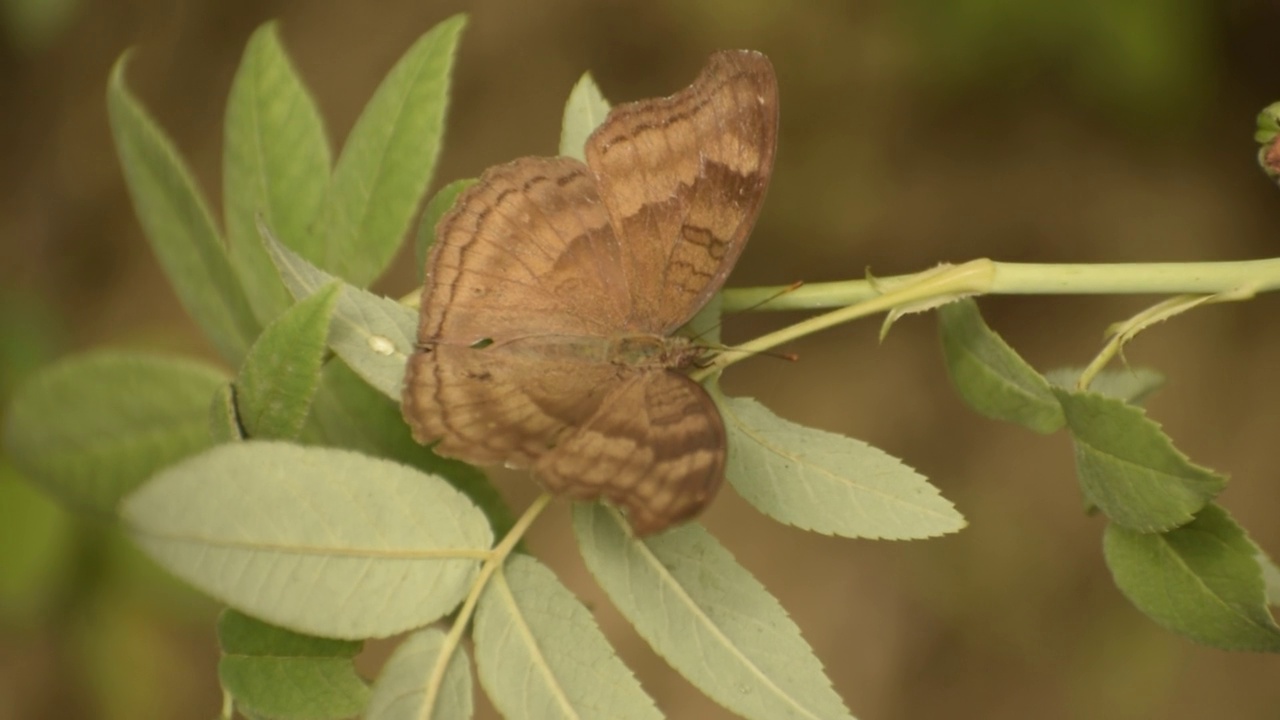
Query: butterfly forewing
pixel 683 179
pixel 527 250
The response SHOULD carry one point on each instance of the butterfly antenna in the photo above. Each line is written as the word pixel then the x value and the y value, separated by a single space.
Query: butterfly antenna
pixel 720 347
pixel 788 289
pixel 789 357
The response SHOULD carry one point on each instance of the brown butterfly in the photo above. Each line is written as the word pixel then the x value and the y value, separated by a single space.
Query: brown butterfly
pixel 554 287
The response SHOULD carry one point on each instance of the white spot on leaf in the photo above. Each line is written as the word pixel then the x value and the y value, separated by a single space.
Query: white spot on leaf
pixel 381 345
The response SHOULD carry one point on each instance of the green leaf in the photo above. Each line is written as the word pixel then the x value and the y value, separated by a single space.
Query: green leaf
pixel 710 619
pixel 374 335
pixel 1201 580
pixel 275 165
pixel 351 414
pixel 280 375
pixel 583 113
pixel 91 428
pixel 439 204
pixel 224 419
pixel 387 162
pixel 828 483
pixel 1131 385
pixel 273 672
pixel 400 692
pixel 317 540
pixel 990 377
pixel 1130 469
pixel 539 652
pixel 178 225
pixel 1268 124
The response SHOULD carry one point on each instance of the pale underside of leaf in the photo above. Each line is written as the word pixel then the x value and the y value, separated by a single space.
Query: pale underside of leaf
pixel 321 541
pixel 710 619
pixel 539 653
pixel 1132 385
pixel 401 692
pixel 828 483
pixel 585 109
pixel 374 335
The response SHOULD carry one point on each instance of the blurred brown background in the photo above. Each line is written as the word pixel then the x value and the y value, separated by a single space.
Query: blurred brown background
pixel 913 132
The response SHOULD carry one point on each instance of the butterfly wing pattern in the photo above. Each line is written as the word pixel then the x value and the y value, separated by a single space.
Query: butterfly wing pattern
pixel 554 285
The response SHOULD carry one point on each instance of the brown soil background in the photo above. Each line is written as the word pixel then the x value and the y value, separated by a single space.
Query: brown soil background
pixel 908 138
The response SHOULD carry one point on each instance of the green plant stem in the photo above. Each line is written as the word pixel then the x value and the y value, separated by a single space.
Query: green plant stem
pixel 919 291
pixel 1033 279
pixel 1121 333
pixel 497 557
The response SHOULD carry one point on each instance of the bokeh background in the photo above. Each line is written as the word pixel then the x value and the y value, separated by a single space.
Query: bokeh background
pixel 913 132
